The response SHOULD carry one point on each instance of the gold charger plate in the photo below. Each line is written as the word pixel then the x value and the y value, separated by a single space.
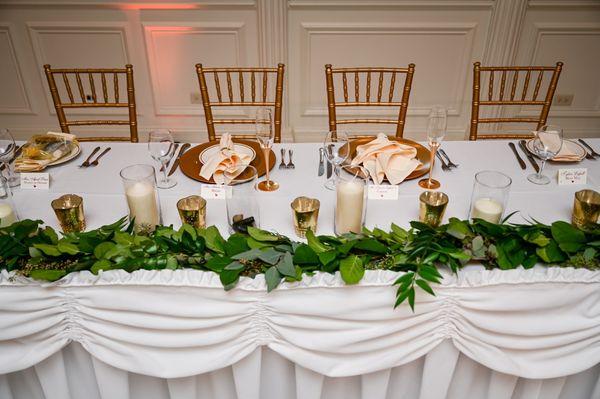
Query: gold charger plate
pixel 190 163
pixel 423 154
pixel 74 153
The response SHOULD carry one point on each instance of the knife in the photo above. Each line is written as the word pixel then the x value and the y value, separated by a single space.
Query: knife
pixel 174 151
pixel 181 152
pixel 594 153
pixel 514 149
pixel 329 169
pixel 321 164
pixel 529 156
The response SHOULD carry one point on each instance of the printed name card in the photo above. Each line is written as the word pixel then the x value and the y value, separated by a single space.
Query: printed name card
pixel 572 176
pixel 383 192
pixel 210 191
pixel 35 181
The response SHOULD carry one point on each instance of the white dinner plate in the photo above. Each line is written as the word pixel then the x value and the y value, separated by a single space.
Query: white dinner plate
pixel 75 150
pixel 569 145
pixel 206 154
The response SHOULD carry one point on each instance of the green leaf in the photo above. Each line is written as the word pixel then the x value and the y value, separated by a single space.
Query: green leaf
pixel 236 244
pixel 351 269
pixel 50 234
pixel 327 257
pixel 251 254
pixel 429 273
pixel 262 235
pixel 314 243
pixel 214 240
pixel 286 265
pixel 67 248
pixel 252 243
pixel 270 256
pixel 551 253
pixel 401 296
pixel 371 245
pixel 47 275
pixel 50 250
pixel 102 264
pixel 589 254
pixel 538 238
pixel 229 277
pixel 458 228
pixel 171 263
pixel 35 253
pixel 404 278
pixel 235 265
pixel 273 278
pixel 102 248
pixel 217 263
pixel 424 286
pixel 305 255
pixel 569 238
pixel 399 232
pixel 411 298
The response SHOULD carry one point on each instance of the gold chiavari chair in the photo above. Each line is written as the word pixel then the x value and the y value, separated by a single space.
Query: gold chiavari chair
pixel 369 101
pixel 257 75
pixel 509 100
pixel 94 76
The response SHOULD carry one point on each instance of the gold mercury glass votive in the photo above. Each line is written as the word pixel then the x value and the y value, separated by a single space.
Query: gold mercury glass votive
pixel 432 207
pixel 69 211
pixel 306 214
pixel 192 210
pixel 586 208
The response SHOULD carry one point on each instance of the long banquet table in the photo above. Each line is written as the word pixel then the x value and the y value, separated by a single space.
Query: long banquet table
pixel 158 334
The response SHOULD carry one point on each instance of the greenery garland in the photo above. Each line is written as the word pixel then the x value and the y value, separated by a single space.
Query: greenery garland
pixel 38 252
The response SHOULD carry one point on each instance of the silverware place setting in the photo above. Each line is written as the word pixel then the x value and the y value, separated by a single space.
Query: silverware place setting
pixel 450 163
pixel 282 164
pixel 321 162
pixel 175 163
pixel 592 154
pixel 445 166
pixel 289 164
pixel 89 163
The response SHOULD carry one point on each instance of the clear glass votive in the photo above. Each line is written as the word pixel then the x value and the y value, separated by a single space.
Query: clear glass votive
pixel 586 208
pixel 306 213
pixel 490 196
pixel 139 182
pixel 241 202
pixel 8 210
pixel 69 212
pixel 432 206
pixel 351 199
pixel 192 211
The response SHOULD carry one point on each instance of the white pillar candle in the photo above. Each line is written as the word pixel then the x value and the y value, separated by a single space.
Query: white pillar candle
pixel 7 215
pixel 487 209
pixel 141 198
pixel 349 207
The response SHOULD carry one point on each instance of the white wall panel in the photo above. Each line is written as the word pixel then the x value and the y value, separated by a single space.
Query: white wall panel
pixel 13 96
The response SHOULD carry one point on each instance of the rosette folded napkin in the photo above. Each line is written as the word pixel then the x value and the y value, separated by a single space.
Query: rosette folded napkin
pixel 384 158
pixel 42 150
pixel 226 164
pixel 569 152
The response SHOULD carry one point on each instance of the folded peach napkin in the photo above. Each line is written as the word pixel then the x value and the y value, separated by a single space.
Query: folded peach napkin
pixel 42 150
pixel 569 152
pixel 226 164
pixel 385 158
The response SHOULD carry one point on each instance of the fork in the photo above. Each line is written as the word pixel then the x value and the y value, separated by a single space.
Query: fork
pixel 450 163
pixel 282 163
pixel 86 163
pixel 95 163
pixel 290 164
pixel 445 167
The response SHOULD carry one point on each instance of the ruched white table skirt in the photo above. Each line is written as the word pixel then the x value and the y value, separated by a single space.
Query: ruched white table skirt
pixel 177 334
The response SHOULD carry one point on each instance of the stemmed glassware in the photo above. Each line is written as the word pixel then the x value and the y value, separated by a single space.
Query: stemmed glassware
pixel 546 144
pixel 162 149
pixel 337 150
pixel 265 136
pixel 7 153
pixel 436 130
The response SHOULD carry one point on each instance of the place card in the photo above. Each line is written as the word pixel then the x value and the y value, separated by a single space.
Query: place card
pixel 35 181
pixel 211 191
pixel 383 192
pixel 572 176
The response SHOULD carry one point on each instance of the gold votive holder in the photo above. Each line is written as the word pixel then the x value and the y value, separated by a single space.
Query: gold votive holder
pixel 432 205
pixel 586 208
pixel 192 211
pixel 306 213
pixel 69 211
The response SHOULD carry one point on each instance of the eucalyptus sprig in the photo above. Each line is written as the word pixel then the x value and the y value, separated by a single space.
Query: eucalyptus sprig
pixel 39 252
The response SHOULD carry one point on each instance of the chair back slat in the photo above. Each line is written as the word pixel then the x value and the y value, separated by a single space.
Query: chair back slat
pixel 236 95
pixel 371 99
pixel 501 101
pixel 84 102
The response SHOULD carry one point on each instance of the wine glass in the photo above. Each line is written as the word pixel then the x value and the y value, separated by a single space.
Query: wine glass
pixel 546 144
pixel 265 136
pixel 161 148
pixel 337 150
pixel 436 130
pixel 7 153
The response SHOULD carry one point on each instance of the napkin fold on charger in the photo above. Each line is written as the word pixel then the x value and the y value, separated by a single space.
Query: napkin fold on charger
pixel 385 158
pixel 226 164
pixel 42 150
pixel 569 152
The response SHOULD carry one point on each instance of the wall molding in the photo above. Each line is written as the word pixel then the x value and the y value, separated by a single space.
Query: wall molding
pixel 7 29
pixel 466 29
pixel 131 4
pixel 460 4
pixel 235 29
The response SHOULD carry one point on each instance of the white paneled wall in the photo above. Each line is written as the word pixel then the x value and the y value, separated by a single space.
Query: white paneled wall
pixel 165 39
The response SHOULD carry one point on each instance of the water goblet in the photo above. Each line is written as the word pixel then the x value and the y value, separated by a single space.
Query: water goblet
pixel 436 130
pixel 265 136
pixel 162 149
pixel 7 153
pixel 546 144
pixel 337 150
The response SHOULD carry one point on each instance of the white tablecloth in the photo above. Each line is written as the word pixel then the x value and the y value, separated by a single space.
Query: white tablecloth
pixel 155 333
